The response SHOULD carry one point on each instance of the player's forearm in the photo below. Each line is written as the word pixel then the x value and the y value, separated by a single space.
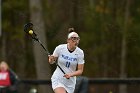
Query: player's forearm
pixel 77 73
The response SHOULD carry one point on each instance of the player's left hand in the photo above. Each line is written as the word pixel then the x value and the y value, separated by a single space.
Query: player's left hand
pixel 68 75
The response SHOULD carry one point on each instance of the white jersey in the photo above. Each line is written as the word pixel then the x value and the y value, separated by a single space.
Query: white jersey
pixel 68 62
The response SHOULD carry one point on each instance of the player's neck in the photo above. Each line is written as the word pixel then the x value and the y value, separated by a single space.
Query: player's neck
pixel 70 48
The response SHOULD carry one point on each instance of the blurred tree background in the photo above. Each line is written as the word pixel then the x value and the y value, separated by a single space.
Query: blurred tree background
pixel 109 31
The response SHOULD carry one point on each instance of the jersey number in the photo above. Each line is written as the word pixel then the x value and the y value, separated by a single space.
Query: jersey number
pixel 67 64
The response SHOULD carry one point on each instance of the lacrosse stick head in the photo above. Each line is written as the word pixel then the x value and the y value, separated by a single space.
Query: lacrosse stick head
pixel 27 28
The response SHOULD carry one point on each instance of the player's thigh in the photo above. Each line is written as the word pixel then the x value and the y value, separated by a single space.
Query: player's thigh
pixel 60 90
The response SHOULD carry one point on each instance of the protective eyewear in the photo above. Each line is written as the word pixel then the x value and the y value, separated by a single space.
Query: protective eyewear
pixel 75 38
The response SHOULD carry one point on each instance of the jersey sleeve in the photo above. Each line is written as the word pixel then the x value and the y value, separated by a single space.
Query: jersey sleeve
pixel 81 58
pixel 56 51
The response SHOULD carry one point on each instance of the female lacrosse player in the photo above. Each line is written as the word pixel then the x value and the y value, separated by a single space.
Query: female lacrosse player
pixel 71 59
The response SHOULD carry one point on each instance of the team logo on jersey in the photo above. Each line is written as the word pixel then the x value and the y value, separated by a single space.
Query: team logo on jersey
pixel 69 58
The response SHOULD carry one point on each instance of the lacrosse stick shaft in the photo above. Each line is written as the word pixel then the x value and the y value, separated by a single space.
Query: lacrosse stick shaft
pixel 61 69
pixel 44 47
pixel 49 54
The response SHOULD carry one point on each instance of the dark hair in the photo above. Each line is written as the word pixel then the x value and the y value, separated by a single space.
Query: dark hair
pixel 71 30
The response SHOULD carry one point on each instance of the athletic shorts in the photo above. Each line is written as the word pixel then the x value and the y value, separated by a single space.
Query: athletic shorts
pixel 63 82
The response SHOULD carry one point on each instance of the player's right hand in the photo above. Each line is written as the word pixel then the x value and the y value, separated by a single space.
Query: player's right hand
pixel 52 59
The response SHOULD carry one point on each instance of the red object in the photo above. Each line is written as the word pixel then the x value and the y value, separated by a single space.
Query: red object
pixel 5 79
